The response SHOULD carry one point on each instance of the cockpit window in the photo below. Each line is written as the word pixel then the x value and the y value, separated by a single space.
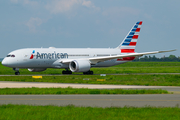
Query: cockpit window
pixel 10 56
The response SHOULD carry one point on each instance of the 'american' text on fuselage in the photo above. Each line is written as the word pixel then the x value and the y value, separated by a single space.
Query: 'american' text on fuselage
pixel 51 55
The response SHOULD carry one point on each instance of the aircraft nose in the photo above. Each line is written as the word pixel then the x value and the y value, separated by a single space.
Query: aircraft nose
pixel 5 62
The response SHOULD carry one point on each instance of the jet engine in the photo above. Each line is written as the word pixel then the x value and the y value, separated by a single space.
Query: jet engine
pixel 37 69
pixel 79 66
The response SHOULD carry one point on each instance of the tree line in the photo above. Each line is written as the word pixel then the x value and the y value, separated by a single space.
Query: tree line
pixel 171 58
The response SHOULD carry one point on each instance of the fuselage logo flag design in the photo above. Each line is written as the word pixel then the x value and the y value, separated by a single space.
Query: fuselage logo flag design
pixel 32 56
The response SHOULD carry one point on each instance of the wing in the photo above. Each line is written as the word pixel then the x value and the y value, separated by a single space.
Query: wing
pixel 95 60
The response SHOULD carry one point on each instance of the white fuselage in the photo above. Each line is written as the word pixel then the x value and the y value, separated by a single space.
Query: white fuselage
pixel 51 57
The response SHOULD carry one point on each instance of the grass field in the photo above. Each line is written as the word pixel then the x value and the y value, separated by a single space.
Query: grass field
pixel 127 79
pixel 27 112
pixel 148 80
pixel 14 91
pixel 130 67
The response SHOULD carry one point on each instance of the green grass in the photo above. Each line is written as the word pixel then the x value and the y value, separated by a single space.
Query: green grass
pixel 127 79
pixel 14 91
pixel 129 67
pixel 29 112
pixel 148 80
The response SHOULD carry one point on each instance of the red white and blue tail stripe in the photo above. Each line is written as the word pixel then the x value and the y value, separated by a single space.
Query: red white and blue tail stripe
pixel 129 43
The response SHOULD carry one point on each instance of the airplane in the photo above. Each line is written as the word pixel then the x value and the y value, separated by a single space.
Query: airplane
pixel 76 59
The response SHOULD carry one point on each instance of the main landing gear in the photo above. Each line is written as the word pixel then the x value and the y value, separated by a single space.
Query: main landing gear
pixel 17 71
pixel 88 73
pixel 66 72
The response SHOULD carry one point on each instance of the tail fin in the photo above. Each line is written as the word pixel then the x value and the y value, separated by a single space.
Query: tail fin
pixel 129 43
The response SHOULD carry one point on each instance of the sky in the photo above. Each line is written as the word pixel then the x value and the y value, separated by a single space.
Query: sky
pixel 88 24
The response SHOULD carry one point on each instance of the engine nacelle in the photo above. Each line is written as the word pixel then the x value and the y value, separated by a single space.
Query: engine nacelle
pixel 37 69
pixel 79 66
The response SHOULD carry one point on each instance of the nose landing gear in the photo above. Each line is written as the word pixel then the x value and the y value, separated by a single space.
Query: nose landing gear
pixel 17 71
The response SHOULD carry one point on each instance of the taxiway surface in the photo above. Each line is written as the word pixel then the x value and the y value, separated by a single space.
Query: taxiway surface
pixel 160 100
pixel 9 84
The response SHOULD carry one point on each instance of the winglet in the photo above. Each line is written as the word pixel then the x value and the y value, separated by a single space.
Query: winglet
pixel 167 51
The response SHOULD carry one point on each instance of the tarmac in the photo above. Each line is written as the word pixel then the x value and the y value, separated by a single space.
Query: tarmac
pixel 153 100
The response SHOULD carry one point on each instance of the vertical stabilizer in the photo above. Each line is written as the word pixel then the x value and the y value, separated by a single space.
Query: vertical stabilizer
pixel 129 43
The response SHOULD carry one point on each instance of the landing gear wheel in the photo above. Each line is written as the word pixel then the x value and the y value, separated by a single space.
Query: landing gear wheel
pixel 88 73
pixel 17 73
pixel 67 72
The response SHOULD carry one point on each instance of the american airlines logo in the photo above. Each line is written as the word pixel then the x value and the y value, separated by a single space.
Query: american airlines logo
pixel 49 55
pixel 32 56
